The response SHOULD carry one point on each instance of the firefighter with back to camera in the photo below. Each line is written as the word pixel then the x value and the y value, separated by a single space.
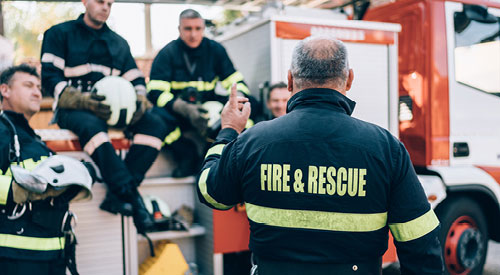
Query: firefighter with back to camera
pixel 35 221
pixel 76 55
pixel 190 69
pixel 323 191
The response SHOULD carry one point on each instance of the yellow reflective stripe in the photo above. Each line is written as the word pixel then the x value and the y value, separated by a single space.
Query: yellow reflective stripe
pixel 5 182
pixel 173 136
pixel 202 185
pixel 242 88
pixel 28 164
pixel 31 243
pixel 249 124
pixel 319 220
pixel 235 77
pixel 8 173
pixel 216 150
pixel 160 85
pixel 415 228
pixel 199 85
pixel 164 98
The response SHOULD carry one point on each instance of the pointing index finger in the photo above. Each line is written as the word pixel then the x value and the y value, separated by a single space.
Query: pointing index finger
pixel 233 96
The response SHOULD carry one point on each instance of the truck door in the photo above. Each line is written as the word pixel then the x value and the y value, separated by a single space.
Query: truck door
pixel 473 37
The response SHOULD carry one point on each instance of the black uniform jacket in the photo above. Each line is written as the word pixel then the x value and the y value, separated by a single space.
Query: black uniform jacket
pixel 323 187
pixel 75 54
pixel 25 237
pixel 177 67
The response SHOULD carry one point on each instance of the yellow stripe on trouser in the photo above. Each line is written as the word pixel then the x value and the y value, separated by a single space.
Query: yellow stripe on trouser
pixel 415 228
pixel 163 86
pixel 202 185
pixel 216 150
pixel 173 136
pixel 31 243
pixel 233 78
pixel 320 220
pixel 5 182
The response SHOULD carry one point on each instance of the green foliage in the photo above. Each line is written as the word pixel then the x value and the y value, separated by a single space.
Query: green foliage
pixel 229 16
pixel 25 23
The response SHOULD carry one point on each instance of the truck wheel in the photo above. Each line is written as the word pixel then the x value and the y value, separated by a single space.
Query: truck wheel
pixel 464 236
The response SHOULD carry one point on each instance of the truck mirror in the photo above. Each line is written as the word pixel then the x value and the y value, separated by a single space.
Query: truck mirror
pixel 479 14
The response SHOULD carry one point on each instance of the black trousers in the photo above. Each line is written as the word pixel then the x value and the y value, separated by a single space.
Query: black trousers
pixel 31 267
pixel 119 175
pixel 187 152
pixel 272 267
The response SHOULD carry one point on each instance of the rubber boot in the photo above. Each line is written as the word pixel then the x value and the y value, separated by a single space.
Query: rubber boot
pixel 142 218
pixel 114 205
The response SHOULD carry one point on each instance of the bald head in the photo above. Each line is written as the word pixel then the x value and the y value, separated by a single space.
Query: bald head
pixel 320 62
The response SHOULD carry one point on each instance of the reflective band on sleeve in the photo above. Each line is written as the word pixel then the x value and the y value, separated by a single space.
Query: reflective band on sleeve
pixel 415 228
pixel 249 124
pixel 173 136
pixel 5 182
pixel 31 243
pixel 164 98
pixel 160 85
pixel 132 74
pixel 141 89
pixel 151 141
pixel 319 220
pixel 57 61
pixel 202 184
pixel 235 77
pixel 216 150
pixel 242 88
pixel 86 69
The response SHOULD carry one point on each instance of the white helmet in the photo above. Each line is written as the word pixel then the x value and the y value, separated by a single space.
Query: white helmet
pixel 58 171
pixel 120 96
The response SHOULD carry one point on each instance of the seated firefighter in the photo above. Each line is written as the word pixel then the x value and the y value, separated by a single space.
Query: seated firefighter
pixel 186 74
pixel 277 99
pixel 35 187
pixel 75 56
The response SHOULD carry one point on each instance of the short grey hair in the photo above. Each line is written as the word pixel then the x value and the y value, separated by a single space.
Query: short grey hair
pixel 189 14
pixel 319 60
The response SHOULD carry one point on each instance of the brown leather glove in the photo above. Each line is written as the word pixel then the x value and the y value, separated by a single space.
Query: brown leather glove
pixel 195 114
pixel 71 98
pixel 143 104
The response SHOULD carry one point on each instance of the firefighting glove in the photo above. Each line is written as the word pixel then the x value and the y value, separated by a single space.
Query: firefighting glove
pixel 71 98
pixel 22 195
pixel 143 105
pixel 196 114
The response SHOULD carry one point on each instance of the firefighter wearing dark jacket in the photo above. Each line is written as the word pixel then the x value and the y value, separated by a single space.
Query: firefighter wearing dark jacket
pixel 76 54
pixel 32 237
pixel 321 188
pixel 189 70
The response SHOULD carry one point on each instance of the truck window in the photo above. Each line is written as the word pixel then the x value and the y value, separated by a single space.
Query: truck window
pixel 477 53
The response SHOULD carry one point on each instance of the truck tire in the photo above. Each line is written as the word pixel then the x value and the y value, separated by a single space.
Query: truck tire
pixel 463 236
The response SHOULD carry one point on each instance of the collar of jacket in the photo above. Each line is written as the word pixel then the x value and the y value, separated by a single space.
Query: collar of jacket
pixel 192 52
pixel 19 121
pixel 80 22
pixel 321 97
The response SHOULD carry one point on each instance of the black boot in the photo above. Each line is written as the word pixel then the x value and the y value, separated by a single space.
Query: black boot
pixel 114 205
pixel 142 218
